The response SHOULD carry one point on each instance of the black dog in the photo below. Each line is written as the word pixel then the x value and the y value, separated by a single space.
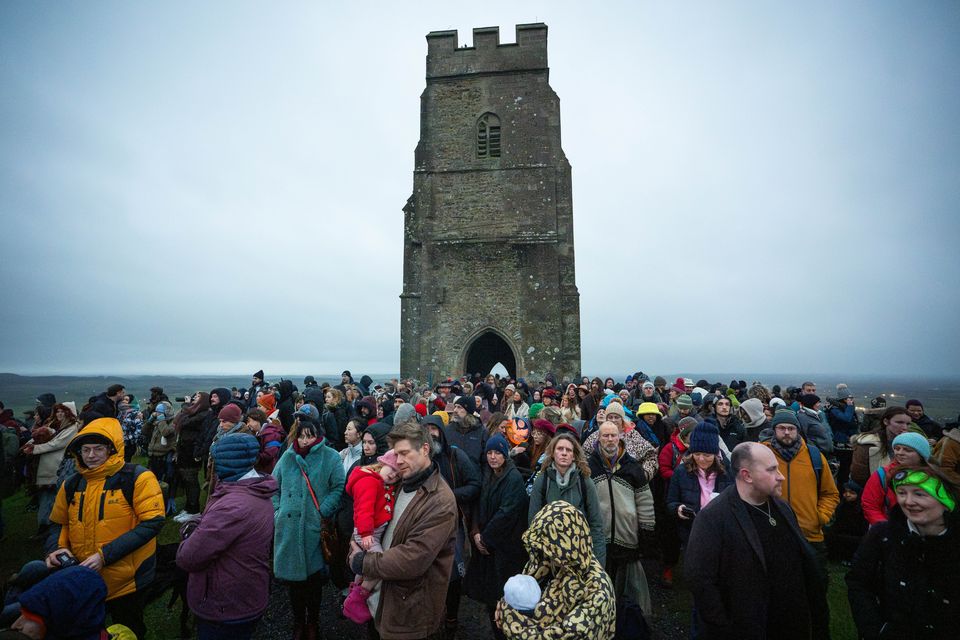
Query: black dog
pixel 169 576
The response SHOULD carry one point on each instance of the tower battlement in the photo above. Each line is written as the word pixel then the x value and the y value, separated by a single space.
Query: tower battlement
pixel 446 58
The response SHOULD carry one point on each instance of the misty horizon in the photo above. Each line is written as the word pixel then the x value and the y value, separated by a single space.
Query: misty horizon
pixel 205 187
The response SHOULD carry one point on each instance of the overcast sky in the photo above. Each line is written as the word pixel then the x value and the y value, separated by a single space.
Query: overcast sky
pixel 215 187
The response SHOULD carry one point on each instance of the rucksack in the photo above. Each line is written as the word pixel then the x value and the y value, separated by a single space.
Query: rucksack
pixel 125 479
pixel 816 460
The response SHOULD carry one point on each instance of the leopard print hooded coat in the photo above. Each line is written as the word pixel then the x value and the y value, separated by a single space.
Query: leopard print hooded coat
pixel 578 600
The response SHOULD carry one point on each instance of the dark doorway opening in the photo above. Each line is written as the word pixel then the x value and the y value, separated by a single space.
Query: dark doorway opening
pixel 488 350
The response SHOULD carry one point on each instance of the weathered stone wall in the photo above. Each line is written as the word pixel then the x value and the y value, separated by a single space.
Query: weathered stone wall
pixel 489 241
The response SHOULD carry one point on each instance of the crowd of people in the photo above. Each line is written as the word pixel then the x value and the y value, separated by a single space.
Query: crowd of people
pixel 541 501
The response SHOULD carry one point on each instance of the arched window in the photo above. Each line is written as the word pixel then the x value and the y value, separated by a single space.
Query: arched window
pixel 488 136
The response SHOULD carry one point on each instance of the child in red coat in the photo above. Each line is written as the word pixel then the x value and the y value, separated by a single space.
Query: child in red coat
pixel 372 488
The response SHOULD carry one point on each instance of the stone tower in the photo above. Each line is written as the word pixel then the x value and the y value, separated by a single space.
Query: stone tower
pixel 488 263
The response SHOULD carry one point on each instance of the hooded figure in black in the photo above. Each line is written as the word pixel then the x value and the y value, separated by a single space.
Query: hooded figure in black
pixel 364 385
pixel 210 424
pixel 463 477
pixel 285 404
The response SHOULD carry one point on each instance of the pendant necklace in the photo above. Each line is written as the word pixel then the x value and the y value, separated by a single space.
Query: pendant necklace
pixel 768 513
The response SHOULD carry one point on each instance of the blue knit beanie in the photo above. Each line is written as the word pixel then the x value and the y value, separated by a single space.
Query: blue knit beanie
pixel 498 443
pixel 705 439
pixel 70 601
pixel 915 441
pixel 234 456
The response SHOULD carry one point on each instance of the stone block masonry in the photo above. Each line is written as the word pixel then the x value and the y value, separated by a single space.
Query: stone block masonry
pixel 489 272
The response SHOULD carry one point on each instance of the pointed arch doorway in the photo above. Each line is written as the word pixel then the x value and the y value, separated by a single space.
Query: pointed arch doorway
pixel 486 351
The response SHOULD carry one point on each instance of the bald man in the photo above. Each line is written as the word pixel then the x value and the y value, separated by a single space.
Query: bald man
pixel 752 573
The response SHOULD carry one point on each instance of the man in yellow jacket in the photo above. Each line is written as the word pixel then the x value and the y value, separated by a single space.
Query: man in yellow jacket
pixel 110 514
pixel 808 488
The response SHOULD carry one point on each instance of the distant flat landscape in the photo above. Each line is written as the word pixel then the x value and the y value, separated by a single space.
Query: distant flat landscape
pixel 940 395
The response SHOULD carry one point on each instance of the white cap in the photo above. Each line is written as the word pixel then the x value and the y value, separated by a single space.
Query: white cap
pixel 521 592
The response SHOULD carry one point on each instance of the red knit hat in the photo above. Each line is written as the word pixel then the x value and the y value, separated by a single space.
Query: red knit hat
pixel 421 409
pixel 545 425
pixel 230 413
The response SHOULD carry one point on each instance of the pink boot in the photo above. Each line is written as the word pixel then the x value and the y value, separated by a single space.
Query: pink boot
pixel 355 605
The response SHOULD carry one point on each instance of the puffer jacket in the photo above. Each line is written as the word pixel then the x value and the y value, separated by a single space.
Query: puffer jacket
pixel 670 455
pixel 578 600
pixel 372 500
pixel 99 519
pixel 297 553
pixel 228 555
pixel 271 441
pixel 878 496
pixel 49 455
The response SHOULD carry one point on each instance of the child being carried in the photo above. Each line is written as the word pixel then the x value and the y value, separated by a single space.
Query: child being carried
pixel 372 488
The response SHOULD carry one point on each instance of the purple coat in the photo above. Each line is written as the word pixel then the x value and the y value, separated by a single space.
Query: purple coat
pixel 228 555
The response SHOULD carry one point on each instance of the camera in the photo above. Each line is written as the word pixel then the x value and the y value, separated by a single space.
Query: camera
pixel 66 560
pixel 182 399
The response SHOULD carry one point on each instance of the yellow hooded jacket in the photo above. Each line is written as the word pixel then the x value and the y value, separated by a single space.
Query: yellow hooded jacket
pixel 100 520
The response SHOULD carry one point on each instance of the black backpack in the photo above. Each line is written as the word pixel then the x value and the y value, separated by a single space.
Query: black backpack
pixel 124 480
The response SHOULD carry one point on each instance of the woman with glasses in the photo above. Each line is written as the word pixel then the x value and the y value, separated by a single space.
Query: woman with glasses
pixel 903 583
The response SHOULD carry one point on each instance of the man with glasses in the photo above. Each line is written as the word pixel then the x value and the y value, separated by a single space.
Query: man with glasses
pixel 808 486
pixel 109 515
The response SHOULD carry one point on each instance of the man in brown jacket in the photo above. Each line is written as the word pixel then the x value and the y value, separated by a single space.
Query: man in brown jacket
pixel 418 544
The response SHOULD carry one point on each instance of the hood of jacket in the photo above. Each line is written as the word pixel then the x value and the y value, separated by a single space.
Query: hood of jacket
pixel 224 395
pixel 106 428
pixel 314 395
pixel 285 387
pixel 442 438
pixel 572 555
pixel 71 603
pixel 365 382
pixel 370 403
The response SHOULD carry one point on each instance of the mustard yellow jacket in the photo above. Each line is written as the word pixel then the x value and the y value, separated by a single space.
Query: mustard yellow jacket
pixel 813 505
pixel 99 519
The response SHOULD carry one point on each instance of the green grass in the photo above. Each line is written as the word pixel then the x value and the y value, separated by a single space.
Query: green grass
pixel 18 549
pixel 164 625
pixel 841 620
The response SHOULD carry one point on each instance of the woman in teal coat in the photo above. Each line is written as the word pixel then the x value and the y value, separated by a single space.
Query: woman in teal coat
pixel 310 476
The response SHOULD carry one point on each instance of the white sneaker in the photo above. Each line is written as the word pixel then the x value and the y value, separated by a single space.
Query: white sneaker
pixel 180 517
